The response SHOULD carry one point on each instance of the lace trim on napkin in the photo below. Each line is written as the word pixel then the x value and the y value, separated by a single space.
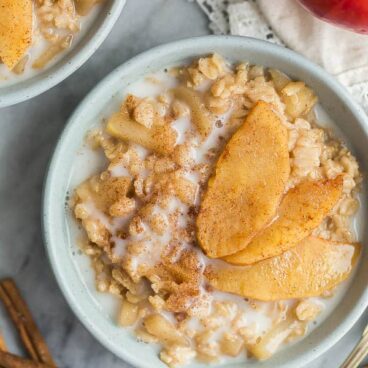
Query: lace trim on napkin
pixel 237 17
pixel 247 20
pixel 217 12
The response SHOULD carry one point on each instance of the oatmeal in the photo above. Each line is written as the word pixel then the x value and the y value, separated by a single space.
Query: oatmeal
pixel 43 30
pixel 223 218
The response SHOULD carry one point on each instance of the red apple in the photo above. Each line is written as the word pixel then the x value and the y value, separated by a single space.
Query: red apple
pixel 352 14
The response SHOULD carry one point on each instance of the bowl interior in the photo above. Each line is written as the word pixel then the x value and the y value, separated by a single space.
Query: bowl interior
pixel 96 28
pixel 72 163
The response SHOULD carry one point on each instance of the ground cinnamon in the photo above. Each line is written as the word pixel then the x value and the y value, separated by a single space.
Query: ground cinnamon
pixel 31 337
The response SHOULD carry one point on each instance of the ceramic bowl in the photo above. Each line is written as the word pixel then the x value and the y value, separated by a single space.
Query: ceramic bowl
pixel 71 164
pixel 84 46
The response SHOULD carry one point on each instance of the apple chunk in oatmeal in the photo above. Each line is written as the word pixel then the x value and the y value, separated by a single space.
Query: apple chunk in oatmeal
pixel 221 197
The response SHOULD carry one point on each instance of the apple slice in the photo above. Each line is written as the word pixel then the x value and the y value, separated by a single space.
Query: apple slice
pixel 16 20
pixel 201 117
pixel 247 186
pixel 302 210
pixel 312 267
pixel 83 7
pixel 161 139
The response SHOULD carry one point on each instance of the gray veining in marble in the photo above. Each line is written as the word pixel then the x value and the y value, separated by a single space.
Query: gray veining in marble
pixel 28 133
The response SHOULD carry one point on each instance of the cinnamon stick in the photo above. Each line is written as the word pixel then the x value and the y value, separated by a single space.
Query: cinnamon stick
pixel 23 321
pixel 8 360
pixel 2 343
pixel 16 318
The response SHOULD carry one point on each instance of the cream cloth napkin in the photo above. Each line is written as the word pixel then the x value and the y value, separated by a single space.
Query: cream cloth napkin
pixel 342 53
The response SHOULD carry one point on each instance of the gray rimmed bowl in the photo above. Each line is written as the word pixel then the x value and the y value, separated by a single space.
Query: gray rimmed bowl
pixel 70 165
pixel 69 62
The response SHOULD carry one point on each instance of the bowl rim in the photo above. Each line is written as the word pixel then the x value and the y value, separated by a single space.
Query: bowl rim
pixel 68 65
pixel 349 319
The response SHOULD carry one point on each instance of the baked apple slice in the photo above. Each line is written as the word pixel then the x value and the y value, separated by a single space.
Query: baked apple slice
pixel 301 210
pixel 16 21
pixel 201 117
pixel 312 267
pixel 247 185
pixel 161 139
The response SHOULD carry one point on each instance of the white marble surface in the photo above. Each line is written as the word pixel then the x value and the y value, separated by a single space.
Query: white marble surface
pixel 28 133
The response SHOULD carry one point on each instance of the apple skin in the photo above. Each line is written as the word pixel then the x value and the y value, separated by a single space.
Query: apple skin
pixel 351 14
